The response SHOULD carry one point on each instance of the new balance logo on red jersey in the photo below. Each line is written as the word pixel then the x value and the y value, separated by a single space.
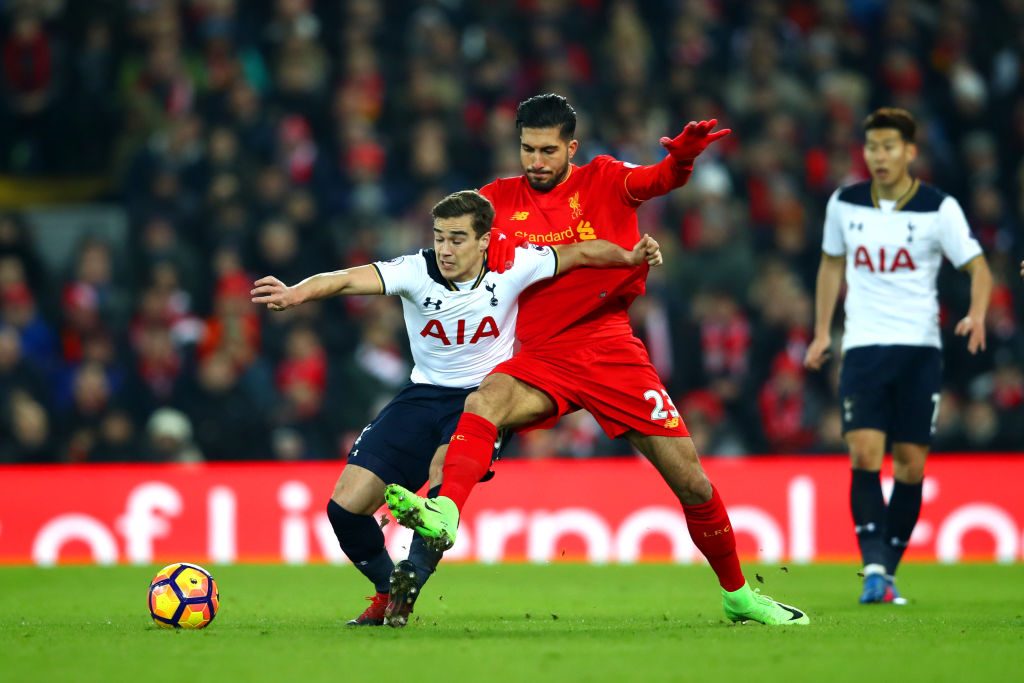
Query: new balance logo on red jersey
pixel 435 328
pixel 883 262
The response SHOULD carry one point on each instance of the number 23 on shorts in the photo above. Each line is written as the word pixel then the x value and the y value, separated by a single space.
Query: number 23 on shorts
pixel 664 409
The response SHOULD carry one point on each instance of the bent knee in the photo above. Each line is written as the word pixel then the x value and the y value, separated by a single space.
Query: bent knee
pixel 491 400
pixel 357 504
pixel 479 403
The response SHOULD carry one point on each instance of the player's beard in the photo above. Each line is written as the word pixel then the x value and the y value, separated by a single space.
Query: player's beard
pixel 549 182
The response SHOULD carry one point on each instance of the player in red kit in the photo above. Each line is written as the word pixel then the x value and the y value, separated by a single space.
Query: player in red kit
pixel 577 347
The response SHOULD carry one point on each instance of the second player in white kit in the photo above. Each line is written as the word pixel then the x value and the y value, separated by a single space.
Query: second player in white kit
pixel 460 318
pixel 888 238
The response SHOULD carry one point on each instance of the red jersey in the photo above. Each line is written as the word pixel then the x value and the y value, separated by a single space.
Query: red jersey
pixel 591 203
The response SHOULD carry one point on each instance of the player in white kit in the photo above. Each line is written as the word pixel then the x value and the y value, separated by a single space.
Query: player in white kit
pixel 889 236
pixel 460 318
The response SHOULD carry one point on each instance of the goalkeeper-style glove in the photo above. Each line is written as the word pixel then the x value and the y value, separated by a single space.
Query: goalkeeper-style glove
pixel 694 139
pixel 501 252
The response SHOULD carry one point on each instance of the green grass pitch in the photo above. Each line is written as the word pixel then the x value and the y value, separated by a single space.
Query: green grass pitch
pixel 563 622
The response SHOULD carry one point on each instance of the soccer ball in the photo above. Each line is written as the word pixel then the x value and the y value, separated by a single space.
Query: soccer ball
pixel 183 595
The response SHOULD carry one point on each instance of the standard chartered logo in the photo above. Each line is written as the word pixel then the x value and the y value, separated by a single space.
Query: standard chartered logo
pixel 583 231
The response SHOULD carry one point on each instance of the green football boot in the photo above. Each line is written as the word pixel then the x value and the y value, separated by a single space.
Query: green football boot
pixel 747 604
pixel 435 519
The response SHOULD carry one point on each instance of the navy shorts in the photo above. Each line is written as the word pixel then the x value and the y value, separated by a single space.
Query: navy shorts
pixel 400 442
pixel 892 388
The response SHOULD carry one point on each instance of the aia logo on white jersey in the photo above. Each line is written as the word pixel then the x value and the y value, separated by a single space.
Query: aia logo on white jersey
pixel 435 328
pixel 883 262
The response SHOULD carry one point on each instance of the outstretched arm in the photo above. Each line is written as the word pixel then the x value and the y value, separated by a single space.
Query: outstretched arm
pixel 645 182
pixel 279 296
pixel 826 293
pixel 972 325
pixel 604 254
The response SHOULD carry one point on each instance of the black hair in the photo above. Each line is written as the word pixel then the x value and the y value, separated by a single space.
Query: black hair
pixel 892 117
pixel 547 111
pixel 465 203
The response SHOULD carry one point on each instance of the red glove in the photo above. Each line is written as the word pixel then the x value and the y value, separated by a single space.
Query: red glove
pixel 501 252
pixel 694 139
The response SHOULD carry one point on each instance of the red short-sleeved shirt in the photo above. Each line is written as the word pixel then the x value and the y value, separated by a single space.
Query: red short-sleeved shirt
pixel 591 203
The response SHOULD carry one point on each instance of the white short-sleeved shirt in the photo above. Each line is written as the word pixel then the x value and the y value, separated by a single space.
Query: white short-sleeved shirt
pixel 458 332
pixel 893 254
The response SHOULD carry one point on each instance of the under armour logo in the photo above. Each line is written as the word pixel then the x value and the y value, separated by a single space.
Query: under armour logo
pixel 910 232
pixel 869 528
pixel 856 226
pixel 490 288
pixel 428 302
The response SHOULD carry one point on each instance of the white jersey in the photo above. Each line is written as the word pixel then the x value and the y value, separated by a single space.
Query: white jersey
pixel 459 332
pixel 893 254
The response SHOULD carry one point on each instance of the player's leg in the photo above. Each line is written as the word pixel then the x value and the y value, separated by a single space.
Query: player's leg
pixel 867 504
pixel 423 558
pixel 625 395
pixel 395 447
pixel 908 461
pixel 501 401
pixel 676 460
pixel 868 509
pixel 865 394
pixel 621 389
pixel 409 576
pixel 904 508
pixel 708 522
pixel 357 495
pixel 917 394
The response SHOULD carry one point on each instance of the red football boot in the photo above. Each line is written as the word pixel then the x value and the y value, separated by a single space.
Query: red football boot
pixel 374 614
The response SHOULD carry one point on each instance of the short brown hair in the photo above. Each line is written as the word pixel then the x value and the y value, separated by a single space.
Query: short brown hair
pixel 892 117
pixel 547 111
pixel 467 202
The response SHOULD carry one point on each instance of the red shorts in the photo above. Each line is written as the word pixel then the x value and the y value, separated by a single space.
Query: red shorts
pixel 613 379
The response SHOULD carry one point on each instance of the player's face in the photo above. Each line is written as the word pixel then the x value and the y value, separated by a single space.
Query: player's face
pixel 460 254
pixel 888 156
pixel 545 156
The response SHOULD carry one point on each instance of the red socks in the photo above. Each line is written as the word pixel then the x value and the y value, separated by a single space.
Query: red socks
pixel 712 533
pixel 469 456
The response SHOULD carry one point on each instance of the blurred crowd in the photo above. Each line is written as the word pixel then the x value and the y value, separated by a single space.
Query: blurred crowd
pixel 289 137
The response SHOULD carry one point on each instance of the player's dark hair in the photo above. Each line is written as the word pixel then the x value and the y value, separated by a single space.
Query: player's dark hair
pixel 893 117
pixel 465 203
pixel 547 111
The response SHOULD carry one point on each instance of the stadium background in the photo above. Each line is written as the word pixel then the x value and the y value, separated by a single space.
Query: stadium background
pixel 155 156
pixel 160 155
